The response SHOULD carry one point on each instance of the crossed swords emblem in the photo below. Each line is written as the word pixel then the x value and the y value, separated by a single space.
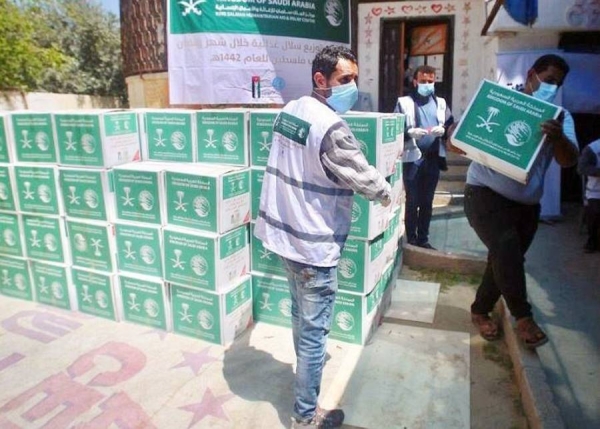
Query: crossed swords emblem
pixel 190 7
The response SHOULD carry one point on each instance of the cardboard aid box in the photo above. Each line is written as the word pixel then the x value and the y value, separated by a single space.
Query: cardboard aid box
pixel 361 265
pixel 5 148
pixel 139 249
pixel 31 137
pixel 53 285
pixel 11 235
pixel 92 245
pixel 391 236
pixel 15 278
pixel 214 317
pixel 261 135
pixel 87 193
pixel 96 293
pixel 209 198
pixel 377 134
pixel 8 189
pixel 45 238
pixel 139 192
pixel 263 260
pixel 97 138
pixel 501 129
pixel 369 218
pixel 38 190
pixel 271 300
pixel 223 136
pixel 257 175
pixel 168 135
pixel 205 261
pixel 144 300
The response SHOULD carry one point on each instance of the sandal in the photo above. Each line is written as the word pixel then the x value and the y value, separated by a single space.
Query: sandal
pixel 530 333
pixel 488 329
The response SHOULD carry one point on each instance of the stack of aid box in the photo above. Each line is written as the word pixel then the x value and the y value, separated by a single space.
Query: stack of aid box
pixel 90 144
pixel 206 250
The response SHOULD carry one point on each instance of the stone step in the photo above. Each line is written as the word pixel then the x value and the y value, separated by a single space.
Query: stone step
pixel 447 199
pixel 451 186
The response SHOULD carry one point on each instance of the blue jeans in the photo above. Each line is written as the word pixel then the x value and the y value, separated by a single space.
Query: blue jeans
pixel 313 295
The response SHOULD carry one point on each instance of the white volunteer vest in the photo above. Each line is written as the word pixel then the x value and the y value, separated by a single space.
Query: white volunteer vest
pixel 411 151
pixel 303 215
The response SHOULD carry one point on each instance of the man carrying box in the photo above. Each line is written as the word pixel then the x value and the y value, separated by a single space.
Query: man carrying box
pixel 315 165
pixel 504 213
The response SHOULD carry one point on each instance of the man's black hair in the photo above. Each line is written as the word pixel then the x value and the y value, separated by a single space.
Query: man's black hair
pixel 545 61
pixel 423 69
pixel 326 60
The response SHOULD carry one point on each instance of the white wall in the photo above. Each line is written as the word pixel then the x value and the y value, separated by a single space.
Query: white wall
pixel 14 100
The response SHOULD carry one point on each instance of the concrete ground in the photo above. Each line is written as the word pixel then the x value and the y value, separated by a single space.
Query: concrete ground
pixel 62 369
pixel 564 289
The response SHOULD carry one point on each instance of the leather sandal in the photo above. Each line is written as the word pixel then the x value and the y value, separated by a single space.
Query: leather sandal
pixel 488 329
pixel 530 333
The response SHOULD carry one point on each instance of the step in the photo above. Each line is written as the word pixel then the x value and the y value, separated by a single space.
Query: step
pixel 451 186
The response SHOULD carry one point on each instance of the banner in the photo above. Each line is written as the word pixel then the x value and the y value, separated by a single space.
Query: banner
pixel 249 51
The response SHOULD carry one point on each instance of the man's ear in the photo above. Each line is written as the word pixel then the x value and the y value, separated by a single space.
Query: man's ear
pixel 320 80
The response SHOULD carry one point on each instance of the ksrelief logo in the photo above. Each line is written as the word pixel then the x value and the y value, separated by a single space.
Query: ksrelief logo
pixel 285 307
pixel 345 321
pixel 201 206
pixel 178 140
pixel 205 319
pixel 356 212
pixel 91 198
pixel 191 6
pixel 230 141
pixel 57 290
pixel 88 143
pixel 3 192
pixel 334 12
pixel 9 237
pixel 146 200
pixel 199 265
pixel 347 268
pixel 151 308
pixel 517 133
pixel 147 254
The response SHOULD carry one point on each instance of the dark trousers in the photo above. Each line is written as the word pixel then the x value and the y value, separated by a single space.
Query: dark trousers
pixel 592 214
pixel 420 182
pixel 507 229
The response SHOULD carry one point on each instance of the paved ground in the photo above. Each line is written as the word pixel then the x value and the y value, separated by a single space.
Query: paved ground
pixel 564 288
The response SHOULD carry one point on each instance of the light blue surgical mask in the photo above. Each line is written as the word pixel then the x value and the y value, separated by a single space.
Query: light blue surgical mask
pixel 343 97
pixel 425 89
pixel 546 91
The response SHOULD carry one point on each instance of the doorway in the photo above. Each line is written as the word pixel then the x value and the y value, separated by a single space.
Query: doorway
pixel 408 43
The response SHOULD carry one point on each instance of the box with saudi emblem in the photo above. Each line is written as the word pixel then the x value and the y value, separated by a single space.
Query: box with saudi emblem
pixel 501 129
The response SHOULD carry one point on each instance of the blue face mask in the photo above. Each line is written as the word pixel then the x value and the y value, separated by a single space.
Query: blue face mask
pixel 425 89
pixel 546 91
pixel 343 97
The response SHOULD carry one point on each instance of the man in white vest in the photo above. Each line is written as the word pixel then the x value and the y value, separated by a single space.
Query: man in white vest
pixel 315 165
pixel 427 117
pixel 589 166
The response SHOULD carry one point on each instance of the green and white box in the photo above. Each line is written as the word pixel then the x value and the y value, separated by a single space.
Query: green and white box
pixel 369 218
pixel 96 293
pixel 361 264
pixel 354 315
pixel 144 300
pixel 139 192
pixel 15 278
pixel 11 234
pixel 32 137
pixel 261 135
pixel 257 175
pixel 87 193
pixel 97 138
pixel 8 189
pixel 400 124
pixel 214 317
pixel 53 285
pixel 92 245
pixel 271 300
pixel 203 260
pixel 169 135
pixel 397 183
pixel 5 147
pixel 377 135
pixel 501 129
pixel 46 238
pixel 263 260
pixel 37 189
pixel 208 197
pixel 139 249
pixel 391 236
pixel 223 136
